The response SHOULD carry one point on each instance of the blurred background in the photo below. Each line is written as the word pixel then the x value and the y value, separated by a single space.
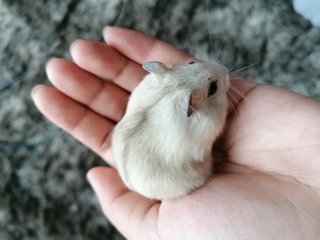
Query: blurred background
pixel 43 190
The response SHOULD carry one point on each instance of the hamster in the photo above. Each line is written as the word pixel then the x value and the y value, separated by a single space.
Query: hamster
pixel 162 146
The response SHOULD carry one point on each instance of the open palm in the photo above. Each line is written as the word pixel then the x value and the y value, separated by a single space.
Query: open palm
pixel 268 187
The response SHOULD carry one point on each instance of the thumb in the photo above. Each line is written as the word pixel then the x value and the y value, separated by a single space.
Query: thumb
pixel 133 215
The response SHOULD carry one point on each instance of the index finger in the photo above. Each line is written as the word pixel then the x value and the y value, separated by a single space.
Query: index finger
pixel 141 48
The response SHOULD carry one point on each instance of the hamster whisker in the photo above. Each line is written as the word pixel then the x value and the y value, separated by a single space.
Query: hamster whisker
pixel 178 94
pixel 243 82
pixel 191 51
pixel 237 115
pixel 232 68
pixel 208 28
pixel 240 94
pixel 240 97
pixel 244 68
pixel 220 48
pixel 243 98
pixel 232 102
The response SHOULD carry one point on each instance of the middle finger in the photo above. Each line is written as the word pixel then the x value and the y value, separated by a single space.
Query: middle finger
pixel 105 62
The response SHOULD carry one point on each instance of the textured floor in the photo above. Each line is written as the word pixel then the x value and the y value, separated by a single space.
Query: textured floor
pixel 43 191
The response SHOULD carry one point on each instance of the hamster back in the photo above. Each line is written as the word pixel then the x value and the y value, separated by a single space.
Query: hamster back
pixel 162 145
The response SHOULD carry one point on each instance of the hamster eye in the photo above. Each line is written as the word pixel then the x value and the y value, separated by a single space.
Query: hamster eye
pixel 212 88
pixel 191 62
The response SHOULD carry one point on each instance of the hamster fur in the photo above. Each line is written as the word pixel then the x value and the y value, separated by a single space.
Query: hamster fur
pixel 162 146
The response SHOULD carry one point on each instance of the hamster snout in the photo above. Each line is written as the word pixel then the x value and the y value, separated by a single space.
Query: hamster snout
pixel 162 146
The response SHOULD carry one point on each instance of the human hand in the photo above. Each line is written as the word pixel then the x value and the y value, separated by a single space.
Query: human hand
pixel 267 188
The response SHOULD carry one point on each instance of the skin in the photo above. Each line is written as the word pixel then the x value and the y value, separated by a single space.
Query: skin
pixel 267 188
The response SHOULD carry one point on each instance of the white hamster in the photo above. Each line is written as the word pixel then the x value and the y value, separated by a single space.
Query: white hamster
pixel 162 146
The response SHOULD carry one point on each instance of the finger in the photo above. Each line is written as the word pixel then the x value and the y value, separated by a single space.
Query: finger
pixel 142 48
pixel 102 97
pixel 133 215
pixel 107 63
pixel 85 125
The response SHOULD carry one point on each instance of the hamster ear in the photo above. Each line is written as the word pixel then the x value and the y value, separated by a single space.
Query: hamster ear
pixel 155 67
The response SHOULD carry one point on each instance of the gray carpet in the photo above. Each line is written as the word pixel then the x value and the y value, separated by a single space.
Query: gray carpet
pixel 43 190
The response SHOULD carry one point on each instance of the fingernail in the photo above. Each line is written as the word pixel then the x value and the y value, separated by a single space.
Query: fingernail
pixel 34 90
pixel 104 33
pixel 74 43
pixel 88 177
